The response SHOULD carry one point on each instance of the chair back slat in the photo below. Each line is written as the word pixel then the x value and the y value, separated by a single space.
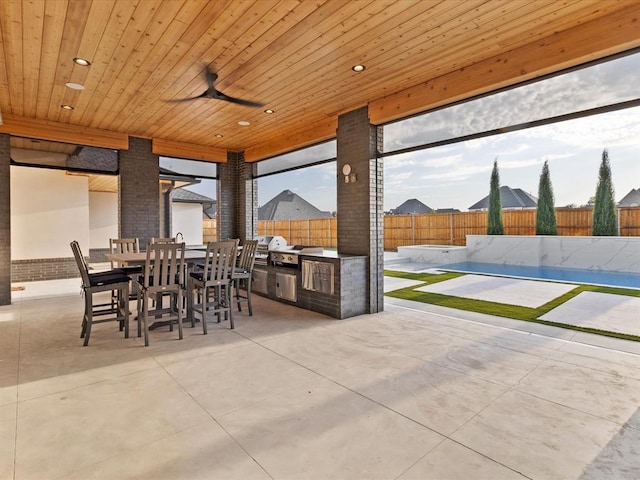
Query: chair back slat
pixel 220 259
pixel 123 245
pixel 82 263
pixel 248 255
pixel 164 266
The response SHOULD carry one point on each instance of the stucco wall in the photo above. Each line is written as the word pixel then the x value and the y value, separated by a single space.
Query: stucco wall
pixel 49 209
pixel 186 218
pixel 103 221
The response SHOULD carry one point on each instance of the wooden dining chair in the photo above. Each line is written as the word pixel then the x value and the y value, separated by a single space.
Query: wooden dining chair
pixel 212 284
pixel 94 283
pixel 163 275
pixel 126 245
pixel 243 272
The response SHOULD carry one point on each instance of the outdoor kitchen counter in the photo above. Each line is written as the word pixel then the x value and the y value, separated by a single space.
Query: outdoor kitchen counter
pixel 328 282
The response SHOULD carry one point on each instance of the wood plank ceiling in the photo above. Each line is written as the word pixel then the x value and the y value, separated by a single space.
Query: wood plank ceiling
pixel 295 56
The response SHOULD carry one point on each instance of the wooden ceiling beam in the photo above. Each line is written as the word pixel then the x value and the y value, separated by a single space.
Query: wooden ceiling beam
pixel 286 143
pixel 170 148
pixel 62 132
pixel 608 35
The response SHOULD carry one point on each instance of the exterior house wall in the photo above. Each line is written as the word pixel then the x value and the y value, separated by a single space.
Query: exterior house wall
pixel 103 219
pixel 49 210
pixel 187 219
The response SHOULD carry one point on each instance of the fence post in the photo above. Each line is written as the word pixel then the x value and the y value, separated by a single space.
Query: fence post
pixel 413 230
pixel 451 228
pixel 618 222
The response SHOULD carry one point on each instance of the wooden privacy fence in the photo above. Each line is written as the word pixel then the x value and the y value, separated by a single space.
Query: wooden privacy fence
pixel 446 228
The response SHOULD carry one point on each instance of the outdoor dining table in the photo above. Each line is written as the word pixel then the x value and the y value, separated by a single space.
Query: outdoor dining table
pixel 191 257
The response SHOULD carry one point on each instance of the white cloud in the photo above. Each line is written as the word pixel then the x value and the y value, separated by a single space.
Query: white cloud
pixel 445 161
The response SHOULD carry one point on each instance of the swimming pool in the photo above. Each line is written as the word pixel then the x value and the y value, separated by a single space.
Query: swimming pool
pixel 570 275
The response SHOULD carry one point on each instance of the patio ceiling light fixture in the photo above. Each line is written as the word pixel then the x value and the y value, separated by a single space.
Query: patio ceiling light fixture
pixel 268 111
pixel 244 123
pixel 358 68
pixel 219 135
pixel 66 107
pixel 74 86
pixel 82 61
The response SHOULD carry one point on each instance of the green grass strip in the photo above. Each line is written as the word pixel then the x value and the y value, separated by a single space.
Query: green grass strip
pixel 515 312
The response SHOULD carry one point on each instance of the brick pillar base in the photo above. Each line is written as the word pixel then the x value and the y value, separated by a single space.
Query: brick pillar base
pixel 139 192
pixel 5 220
pixel 360 201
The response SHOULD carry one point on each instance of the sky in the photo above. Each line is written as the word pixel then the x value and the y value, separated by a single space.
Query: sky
pixel 458 175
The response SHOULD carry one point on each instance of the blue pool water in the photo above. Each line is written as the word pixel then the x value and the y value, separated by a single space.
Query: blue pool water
pixel 571 275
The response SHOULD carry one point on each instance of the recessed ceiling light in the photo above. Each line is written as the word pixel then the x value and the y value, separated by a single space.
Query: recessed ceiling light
pixel 74 86
pixel 358 68
pixel 268 111
pixel 66 107
pixel 219 135
pixel 82 61
pixel 244 123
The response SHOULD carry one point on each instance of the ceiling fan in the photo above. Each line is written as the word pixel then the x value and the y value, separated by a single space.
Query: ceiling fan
pixel 211 92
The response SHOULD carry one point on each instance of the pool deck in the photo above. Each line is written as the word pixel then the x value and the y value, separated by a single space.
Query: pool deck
pixel 614 313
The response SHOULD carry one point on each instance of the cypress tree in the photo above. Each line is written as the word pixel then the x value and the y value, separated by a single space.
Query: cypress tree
pixel 604 209
pixel 494 221
pixel 545 212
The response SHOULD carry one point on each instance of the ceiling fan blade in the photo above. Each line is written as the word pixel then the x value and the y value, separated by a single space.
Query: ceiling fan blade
pixel 178 100
pixel 211 92
pixel 239 101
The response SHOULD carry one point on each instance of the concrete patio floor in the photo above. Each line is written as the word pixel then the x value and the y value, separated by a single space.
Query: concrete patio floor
pixel 415 392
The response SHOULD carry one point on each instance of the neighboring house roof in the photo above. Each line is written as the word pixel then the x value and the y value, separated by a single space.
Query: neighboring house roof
pixel 182 195
pixel 631 199
pixel 289 206
pixel 510 198
pixel 187 196
pixel 411 207
pixel 447 210
pixel 93 158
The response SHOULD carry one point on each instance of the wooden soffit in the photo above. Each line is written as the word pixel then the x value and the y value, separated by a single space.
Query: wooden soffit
pixel 589 41
pixel 170 148
pixel 62 132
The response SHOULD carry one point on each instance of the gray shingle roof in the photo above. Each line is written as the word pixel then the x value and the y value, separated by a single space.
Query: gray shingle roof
pixel 187 196
pixel 631 199
pixel 412 206
pixel 510 198
pixel 289 206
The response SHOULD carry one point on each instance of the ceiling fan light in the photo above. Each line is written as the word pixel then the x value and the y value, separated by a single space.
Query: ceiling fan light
pixel 82 61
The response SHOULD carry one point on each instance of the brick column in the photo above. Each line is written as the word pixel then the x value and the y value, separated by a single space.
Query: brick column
pixel 360 202
pixel 5 220
pixel 237 199
pixel 139 192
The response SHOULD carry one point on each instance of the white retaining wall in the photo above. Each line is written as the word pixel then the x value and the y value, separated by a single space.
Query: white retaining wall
pixel 614 254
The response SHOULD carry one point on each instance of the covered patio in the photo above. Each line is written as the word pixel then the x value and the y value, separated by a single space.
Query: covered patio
pixel 416 391
pixel 402 391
